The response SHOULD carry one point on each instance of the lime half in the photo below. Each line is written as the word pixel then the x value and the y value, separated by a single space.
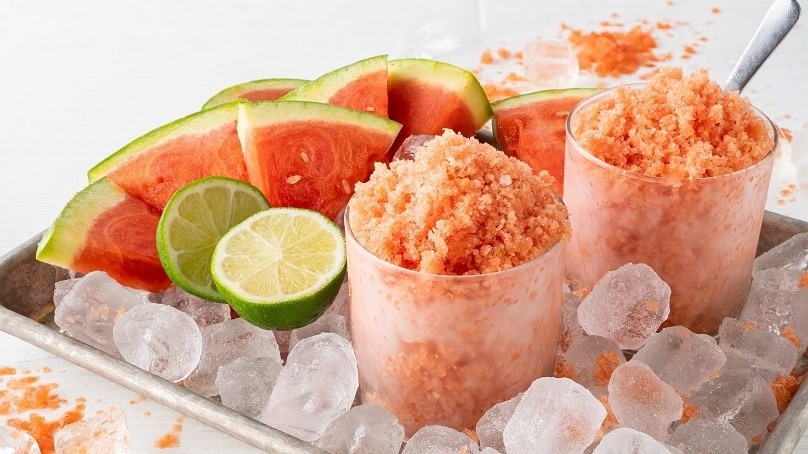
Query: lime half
pixel 194 220
pixel 281 268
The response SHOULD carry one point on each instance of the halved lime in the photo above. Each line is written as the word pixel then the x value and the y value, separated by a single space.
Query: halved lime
pixel 281 268
pixel 194 220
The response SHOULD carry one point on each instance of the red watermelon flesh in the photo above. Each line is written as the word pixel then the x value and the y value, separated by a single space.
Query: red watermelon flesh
pixel 365 94
pixel 532 127
pixel 310 155
pixel 362 86
pixel 428 96
pixel 154 166
pixel 104 229
pixel 267 94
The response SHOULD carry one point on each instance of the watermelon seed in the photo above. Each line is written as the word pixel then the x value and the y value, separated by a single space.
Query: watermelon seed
pixel 293 179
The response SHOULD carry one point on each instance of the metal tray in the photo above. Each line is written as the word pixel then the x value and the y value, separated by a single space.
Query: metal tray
pixel 26 308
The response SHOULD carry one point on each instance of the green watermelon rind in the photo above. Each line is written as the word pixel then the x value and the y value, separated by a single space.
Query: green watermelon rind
pixel 263 113
pixel 542 95
pixel 235 92
pixel 450 78
pixel 197 123
pixel 65 238
pixel 324 87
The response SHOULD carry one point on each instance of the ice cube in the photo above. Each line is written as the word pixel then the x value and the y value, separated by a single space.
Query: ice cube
pixel 641 401
pixel 409 147
pixel 778 302
pixel 364 429
pixel 245 384
pixel 593 359
pixel 792 253
pixel 89 310
pixel 14 441
pixel 341 304
pixel 425 41
pixel 159 339
pixel 203 312
pixel 440 440
pixel 555 415
pixel 327 323
pixel 627 305
pixel 492 423
pixel 570 328
pixel 317 385
pixel 224 342
pixel 62 288
pixel 701 436
pixel 105 432
pixel 550 62
pixel 766 352
pixel 627 440
pixel 744 400
pixel 682 358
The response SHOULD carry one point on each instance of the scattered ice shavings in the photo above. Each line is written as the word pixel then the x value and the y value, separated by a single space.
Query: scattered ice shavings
pixel 107 432
pixel 14 441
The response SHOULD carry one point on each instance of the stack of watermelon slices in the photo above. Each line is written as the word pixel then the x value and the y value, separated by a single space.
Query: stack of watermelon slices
pixel 304 144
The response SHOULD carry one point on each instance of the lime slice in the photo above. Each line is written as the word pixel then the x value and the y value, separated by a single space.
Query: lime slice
pixel 281 268
pixel 194 220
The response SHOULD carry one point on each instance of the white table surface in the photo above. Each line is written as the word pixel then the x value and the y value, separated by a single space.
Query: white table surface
pixel 80 79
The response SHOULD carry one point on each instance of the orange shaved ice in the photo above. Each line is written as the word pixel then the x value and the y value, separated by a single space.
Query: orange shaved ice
pixel 674 126
pixel 460 207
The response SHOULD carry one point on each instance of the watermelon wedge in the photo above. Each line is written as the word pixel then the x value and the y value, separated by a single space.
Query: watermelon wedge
pixel 428 96
pixel 256 90
pixel 359 86
pixel 532 127
pixel 310 155
pixel 104 228
pixel 154 166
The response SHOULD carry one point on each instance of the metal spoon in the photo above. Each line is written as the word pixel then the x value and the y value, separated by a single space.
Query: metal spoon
pixel 779 20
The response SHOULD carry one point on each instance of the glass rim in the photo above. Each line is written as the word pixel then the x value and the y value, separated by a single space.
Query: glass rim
pixel 570 137
pixel 349 237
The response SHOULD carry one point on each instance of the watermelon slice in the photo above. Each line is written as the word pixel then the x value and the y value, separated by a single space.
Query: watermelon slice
pixel 532 127
pixel 104 228
pixel 310 155
pixel 427 96
pixel 154 166
pixel 359 86
pixel 256 90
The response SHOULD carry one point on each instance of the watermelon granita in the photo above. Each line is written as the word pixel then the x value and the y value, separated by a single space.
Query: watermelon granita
pixel 456 265
pixel 673 174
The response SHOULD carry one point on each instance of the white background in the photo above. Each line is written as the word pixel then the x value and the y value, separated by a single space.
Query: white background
pixel 80 79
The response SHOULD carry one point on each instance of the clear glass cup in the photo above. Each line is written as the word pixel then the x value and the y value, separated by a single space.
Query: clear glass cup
pixel 441 349
pixel 700 235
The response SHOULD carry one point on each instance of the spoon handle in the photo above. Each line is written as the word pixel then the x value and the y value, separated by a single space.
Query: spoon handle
pixel 779 20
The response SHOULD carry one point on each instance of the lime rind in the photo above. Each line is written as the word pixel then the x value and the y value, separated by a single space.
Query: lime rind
pixel 249 270
pixel 194 220
pixel 324 87
pixel 451 78
pixel 196 123
pixel 237 92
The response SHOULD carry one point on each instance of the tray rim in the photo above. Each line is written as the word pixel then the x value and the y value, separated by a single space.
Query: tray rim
pixel 781 440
